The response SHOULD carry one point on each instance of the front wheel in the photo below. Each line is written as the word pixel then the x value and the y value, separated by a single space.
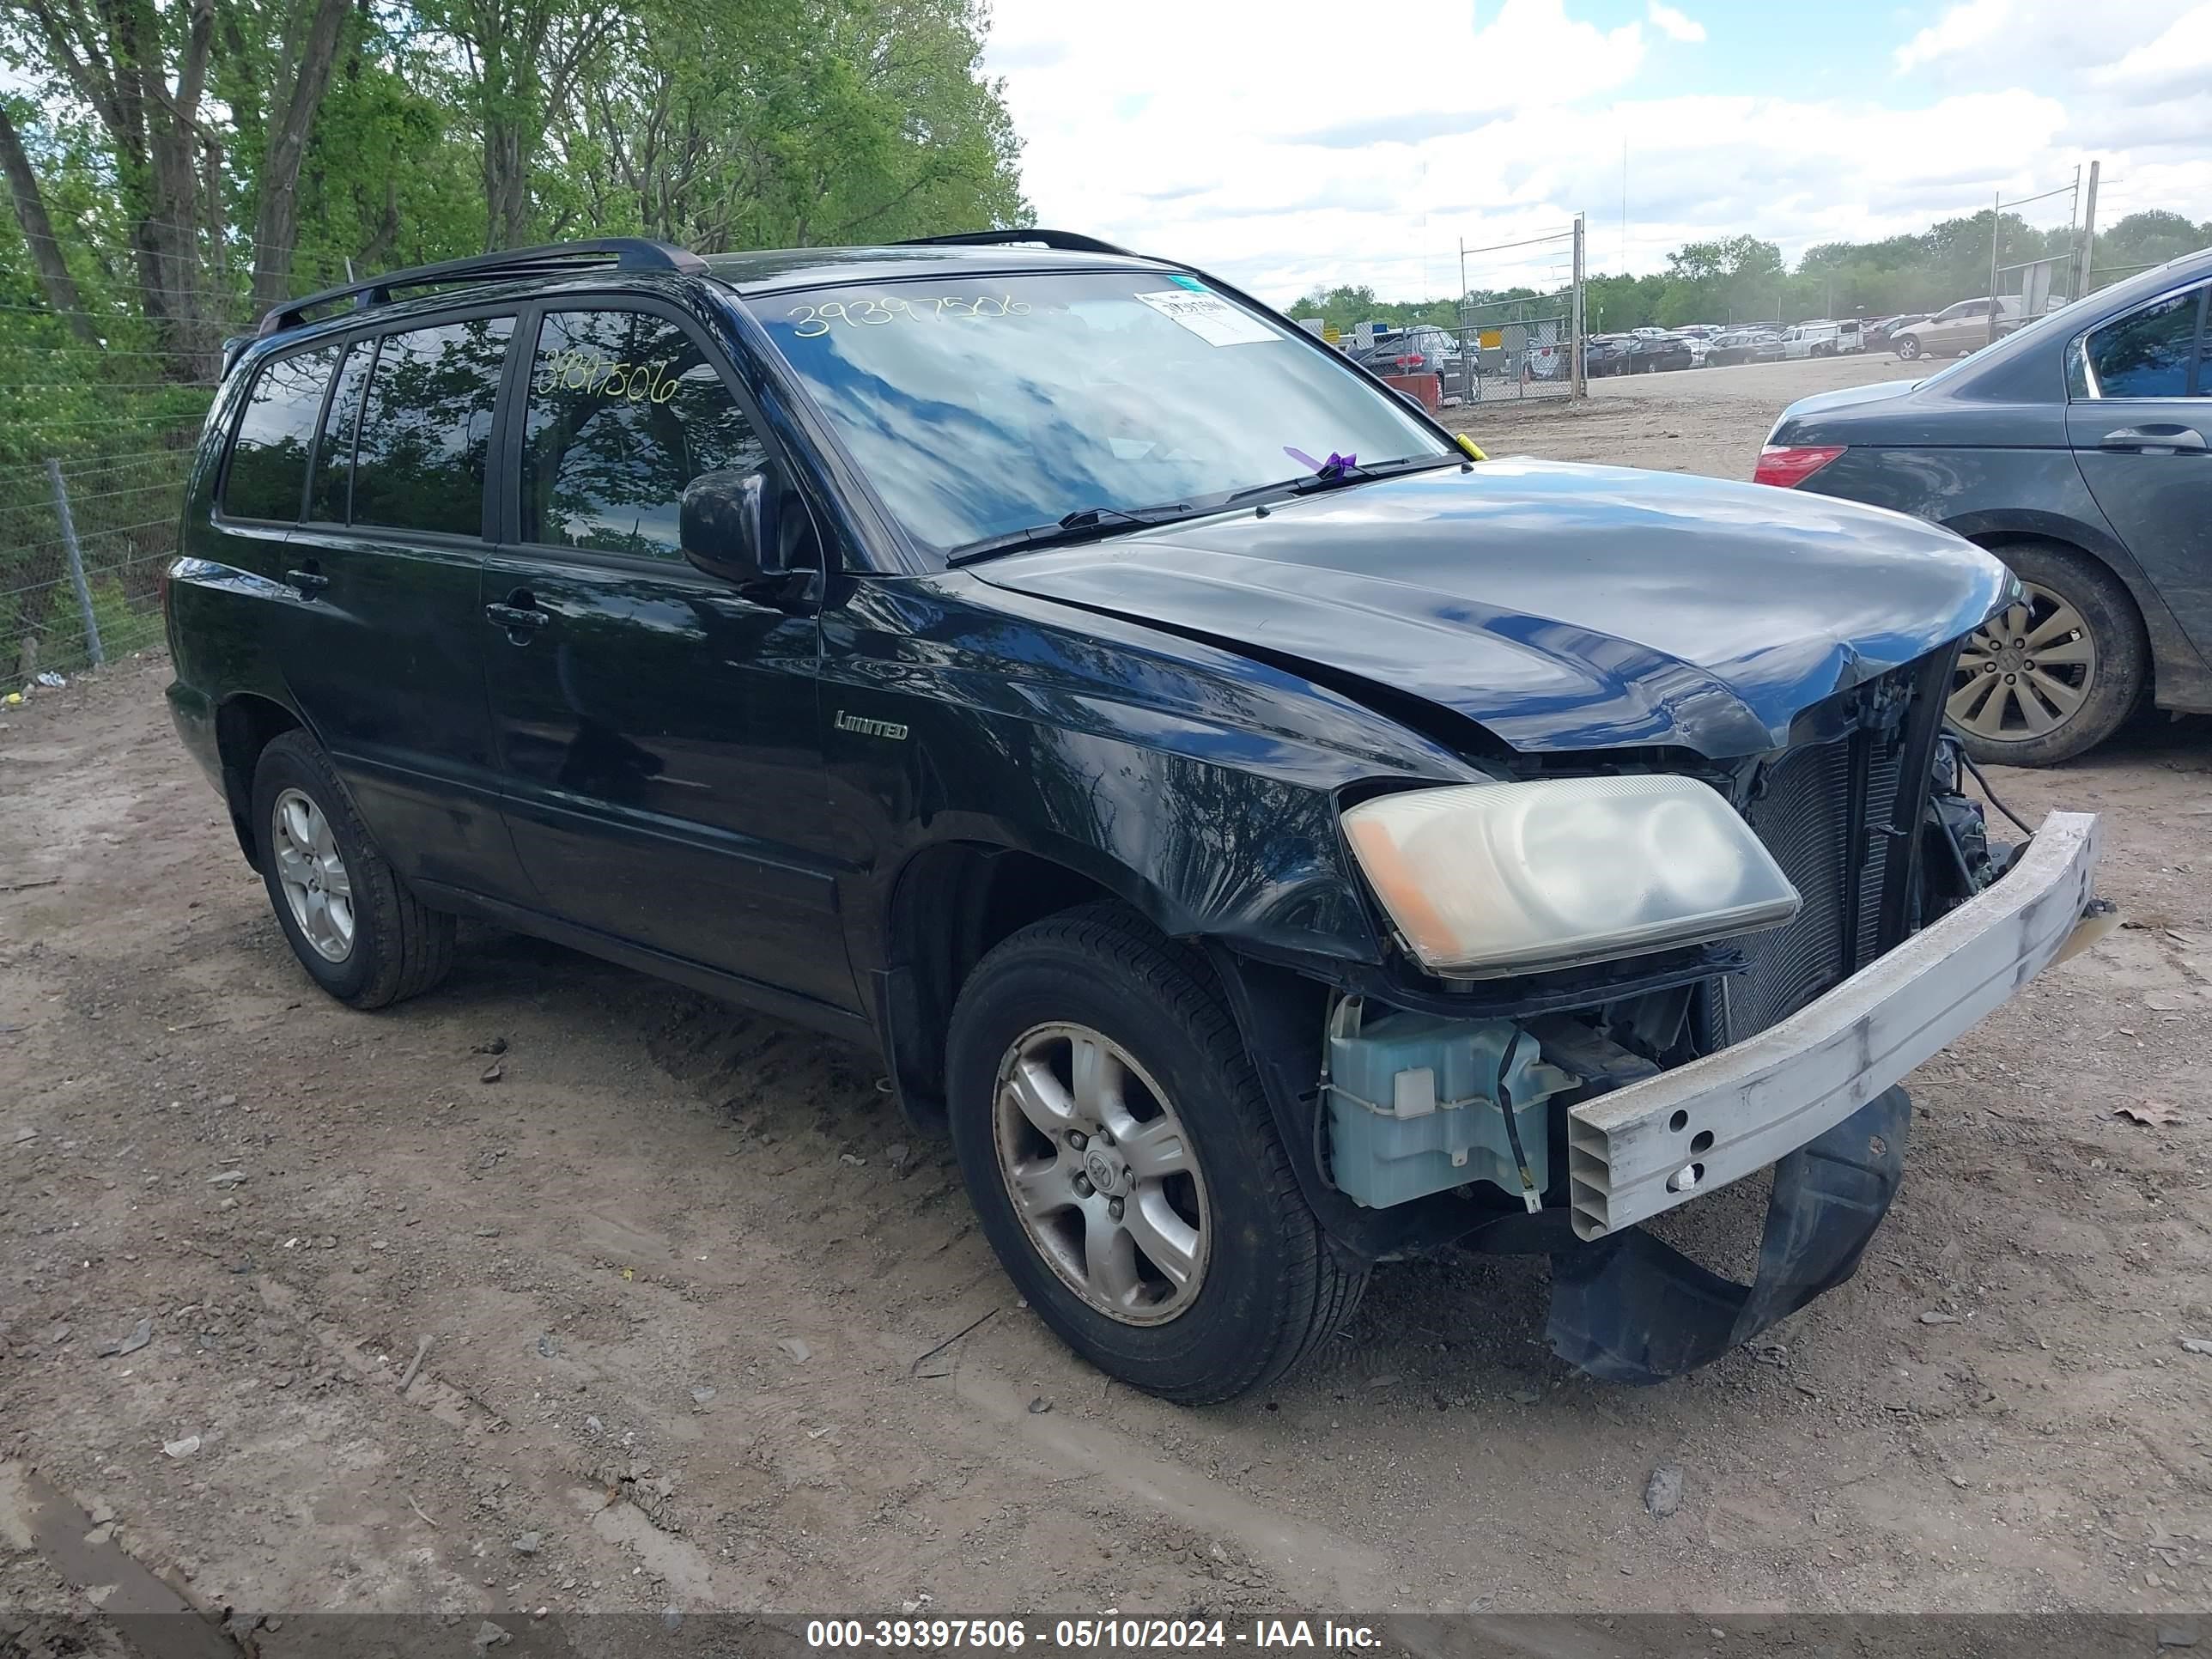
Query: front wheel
pixel 1908 348
pixel 1124 1165
pixel 2055 674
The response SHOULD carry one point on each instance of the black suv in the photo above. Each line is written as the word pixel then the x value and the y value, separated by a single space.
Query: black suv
pixel 1267 835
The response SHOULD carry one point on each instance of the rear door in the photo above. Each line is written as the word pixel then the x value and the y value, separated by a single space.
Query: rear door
pixel 2139 418
pixel 658 730
pixel 385 657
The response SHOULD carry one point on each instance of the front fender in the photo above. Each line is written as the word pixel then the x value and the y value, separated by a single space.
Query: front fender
pixel 1198 786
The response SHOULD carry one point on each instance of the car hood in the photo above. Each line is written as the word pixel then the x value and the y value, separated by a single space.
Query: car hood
pixel 1562 607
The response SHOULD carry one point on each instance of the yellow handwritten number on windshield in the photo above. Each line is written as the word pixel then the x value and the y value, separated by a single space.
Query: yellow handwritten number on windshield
pixel 814 321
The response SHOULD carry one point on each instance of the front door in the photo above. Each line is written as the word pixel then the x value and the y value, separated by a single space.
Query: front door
pixel 383 652
pixel 1959 329
pixel 658 730
pixel 2140 421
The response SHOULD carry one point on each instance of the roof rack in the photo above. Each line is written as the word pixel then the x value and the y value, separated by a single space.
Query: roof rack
pixel 1071 241
pixel 554 259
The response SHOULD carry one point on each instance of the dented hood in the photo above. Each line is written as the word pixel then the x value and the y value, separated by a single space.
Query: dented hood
pixel 1562 607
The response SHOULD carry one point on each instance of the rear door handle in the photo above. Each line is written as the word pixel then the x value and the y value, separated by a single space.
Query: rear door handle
pixel 307 582
pixel 2164 438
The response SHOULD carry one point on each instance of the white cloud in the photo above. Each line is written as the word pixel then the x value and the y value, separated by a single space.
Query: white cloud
pixel 1264 147
pixel 1957 30
pixel 1672 24
pixel 2178 60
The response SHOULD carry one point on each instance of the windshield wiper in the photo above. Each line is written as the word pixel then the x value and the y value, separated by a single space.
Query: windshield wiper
pixel 1337 475
pixel 1083 524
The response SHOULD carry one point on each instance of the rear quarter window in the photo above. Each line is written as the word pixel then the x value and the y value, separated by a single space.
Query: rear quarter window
pixel 268 471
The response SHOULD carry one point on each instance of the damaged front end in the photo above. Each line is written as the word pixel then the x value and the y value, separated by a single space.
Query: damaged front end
pixel 1556 1112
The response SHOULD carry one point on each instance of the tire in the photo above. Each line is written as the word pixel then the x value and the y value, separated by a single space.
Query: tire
pixel 389 945
pixel 1908 348
pixel 1266 1290
pixel 2106 670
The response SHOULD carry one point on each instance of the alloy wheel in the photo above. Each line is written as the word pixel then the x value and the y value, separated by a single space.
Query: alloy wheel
pixel 1102 1173
pixel 316 884
pixel 2026 672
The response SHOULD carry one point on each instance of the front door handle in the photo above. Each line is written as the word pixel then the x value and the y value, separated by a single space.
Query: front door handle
pixel 308 583
pixel 2164 438
pixel 516 618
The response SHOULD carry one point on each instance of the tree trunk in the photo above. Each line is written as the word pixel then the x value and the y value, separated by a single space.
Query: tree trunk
pixel 54 278
pixel 179 286
pixel 292 122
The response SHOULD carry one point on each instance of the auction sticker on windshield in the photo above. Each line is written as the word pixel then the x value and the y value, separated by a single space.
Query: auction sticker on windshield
pixel 1210 317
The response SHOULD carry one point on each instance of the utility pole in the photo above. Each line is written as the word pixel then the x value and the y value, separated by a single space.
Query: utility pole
pixel 1624 205
pixel 2088 235
pixel 1997 226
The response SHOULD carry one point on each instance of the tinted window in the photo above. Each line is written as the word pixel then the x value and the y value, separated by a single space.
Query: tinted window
pixel 269 457
pixel 2146 354
pixel 420 463
pixel 328 496
pixel 624 410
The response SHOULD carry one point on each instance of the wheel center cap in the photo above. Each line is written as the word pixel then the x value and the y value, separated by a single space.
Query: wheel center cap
pixel 1108 1173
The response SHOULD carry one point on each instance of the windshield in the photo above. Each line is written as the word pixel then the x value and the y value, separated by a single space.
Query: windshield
pixel 979 407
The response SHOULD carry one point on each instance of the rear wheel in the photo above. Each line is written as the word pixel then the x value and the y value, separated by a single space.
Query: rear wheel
pixel 1124 1164
pixel 2057 672
pixel 354 927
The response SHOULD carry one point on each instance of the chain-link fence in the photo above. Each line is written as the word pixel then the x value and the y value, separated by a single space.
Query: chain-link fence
pixel 1520 319
pixel 83 546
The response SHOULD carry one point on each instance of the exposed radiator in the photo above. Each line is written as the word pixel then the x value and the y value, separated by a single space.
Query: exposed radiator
pixel 1802 811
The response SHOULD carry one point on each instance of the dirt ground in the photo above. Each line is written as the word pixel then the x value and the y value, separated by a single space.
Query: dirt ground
pixel 1706 420
pixel 708 1326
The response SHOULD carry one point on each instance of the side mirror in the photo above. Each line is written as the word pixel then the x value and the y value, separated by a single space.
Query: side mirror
pixel 728 526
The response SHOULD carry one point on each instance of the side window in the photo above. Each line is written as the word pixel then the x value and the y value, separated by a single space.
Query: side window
pixel 331 492
pixel 2146 353
pixel 269 457
pixel 624 410
pixel 426 425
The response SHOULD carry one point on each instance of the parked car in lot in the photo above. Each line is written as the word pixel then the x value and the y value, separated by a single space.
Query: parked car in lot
pixel 1424 351
pixel 1882 332
pixel 1603 355
pixel 1959 329
pixel 2079 450
pixel 1821 338
pixel 1548 360
pixel 1745 345
pixel 1267 835
pixel 1653 349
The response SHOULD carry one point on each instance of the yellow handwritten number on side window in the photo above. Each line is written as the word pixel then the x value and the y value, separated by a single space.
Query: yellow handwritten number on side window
pixel 592 374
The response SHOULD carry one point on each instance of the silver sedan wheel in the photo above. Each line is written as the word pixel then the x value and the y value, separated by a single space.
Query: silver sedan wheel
pixel 313 876
pixel 1102 1173
pixel 2025 673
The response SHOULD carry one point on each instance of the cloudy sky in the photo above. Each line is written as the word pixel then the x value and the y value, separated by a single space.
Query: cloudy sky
pixel 1287 143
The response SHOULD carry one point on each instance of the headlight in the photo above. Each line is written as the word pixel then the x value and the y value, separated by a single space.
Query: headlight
pixel 1486 879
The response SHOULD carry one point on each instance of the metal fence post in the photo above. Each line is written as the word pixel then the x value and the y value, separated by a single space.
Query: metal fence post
pixel 75 562
pixel 1576 312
